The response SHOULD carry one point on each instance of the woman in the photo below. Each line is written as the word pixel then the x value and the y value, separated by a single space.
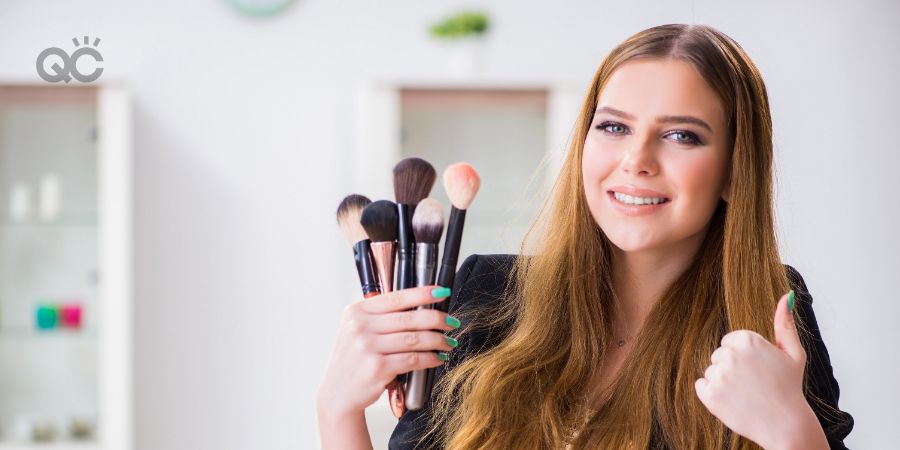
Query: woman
pixel 655 312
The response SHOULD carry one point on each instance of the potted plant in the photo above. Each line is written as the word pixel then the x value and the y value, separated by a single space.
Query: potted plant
pixel 463 33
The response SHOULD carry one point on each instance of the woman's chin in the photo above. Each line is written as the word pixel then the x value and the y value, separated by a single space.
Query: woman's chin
pixel 633 242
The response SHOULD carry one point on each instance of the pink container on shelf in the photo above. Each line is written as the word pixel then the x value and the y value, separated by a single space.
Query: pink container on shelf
pixel 70 315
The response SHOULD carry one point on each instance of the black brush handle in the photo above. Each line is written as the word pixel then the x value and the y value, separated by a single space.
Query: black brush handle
pixel 447 275
pixel 452 241
pixel 405 248
pixel 365 267
pixel 406 255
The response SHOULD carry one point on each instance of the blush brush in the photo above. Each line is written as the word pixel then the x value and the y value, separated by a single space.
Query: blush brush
pixel 461 182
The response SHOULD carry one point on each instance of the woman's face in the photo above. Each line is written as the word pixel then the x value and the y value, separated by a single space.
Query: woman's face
pixel 656 157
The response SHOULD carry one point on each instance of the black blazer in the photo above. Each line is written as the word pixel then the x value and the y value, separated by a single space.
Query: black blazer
pixel 480 282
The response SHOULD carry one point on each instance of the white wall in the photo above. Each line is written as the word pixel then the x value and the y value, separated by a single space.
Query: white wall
pixel 242 128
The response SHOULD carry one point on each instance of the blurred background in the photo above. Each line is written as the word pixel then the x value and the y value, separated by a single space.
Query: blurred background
pixel 171 273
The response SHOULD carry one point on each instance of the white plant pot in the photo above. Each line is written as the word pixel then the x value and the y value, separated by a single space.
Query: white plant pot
pixel 465 55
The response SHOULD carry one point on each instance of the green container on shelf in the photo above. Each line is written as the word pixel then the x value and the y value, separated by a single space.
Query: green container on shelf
pixel 46 317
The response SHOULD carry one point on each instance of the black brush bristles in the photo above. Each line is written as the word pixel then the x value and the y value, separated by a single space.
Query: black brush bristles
pixel 428 222
pixel 379 219
pixel 413 180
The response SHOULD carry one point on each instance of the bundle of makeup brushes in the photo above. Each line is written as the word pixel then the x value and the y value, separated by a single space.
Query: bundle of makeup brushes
pixel 404 236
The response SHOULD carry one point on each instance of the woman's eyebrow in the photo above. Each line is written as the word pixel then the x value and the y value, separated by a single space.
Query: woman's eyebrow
pixel 660 119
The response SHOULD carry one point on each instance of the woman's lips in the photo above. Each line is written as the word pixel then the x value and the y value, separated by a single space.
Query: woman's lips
pixel 635 210
pixel 636 191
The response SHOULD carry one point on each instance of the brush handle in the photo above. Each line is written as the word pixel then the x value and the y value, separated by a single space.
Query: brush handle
pixel 382 254
pixel 447 274
pixel 405 280
pixel 365 268
pixel 405 254
pixel 417 380
pixel 452 241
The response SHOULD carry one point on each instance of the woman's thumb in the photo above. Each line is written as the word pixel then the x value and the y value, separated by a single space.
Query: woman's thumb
pixel 786 336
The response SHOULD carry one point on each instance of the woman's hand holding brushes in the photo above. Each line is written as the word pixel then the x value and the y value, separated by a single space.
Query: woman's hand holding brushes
pixel 405 235
pixel 379 338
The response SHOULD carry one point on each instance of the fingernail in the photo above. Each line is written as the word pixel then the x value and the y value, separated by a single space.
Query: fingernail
pixel 452 342
pixel 791 301
pixel 440 292
pixel 453 322
pixel 443 356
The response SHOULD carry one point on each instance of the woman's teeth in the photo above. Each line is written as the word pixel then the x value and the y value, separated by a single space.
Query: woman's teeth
pixel 627 199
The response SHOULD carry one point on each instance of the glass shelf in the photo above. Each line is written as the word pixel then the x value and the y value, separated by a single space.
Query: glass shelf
pixel 66 220
pixel 16 333
pixel 61 445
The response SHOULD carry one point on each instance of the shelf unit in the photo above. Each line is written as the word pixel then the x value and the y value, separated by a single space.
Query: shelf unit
pixel 95 230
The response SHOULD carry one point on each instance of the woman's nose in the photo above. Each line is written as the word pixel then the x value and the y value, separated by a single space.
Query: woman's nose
pixel 640 159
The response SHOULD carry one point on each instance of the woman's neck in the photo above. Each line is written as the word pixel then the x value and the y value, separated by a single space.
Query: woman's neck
pixel 641 277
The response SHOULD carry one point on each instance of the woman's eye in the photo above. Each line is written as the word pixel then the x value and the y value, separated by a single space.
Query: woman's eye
pixel 687 137
pixel 610 127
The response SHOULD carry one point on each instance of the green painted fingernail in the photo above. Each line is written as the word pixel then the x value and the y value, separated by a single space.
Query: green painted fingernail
pixel 791 301
pixel 443 356
pixel 440 292
pixel 453 322
pixel 452 342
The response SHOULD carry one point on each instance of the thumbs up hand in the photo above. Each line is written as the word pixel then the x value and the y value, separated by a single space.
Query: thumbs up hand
pixel 756 388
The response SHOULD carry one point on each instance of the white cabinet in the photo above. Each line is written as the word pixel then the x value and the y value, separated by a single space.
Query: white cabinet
pixel 65 267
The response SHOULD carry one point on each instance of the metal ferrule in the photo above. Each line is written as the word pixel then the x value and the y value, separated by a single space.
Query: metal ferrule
pixel 426 263
pixel 383 253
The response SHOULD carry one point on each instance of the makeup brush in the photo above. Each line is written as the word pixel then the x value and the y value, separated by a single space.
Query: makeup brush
pixel 348 215
pixel 379 220
pixel 427 226
pixel 413 180
pixel 461 182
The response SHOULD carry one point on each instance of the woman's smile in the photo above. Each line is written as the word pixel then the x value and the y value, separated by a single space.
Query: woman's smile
pixel 634 205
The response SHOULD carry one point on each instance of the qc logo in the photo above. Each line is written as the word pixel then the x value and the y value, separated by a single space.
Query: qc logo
pixel 69 67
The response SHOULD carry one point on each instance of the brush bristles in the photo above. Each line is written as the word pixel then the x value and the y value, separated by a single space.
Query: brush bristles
pixel 428 221
pixel 413 180
pixel 348 216
pixel 461 182
pixel 379 219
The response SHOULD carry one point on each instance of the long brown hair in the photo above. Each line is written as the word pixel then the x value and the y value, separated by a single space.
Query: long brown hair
pixel 528 391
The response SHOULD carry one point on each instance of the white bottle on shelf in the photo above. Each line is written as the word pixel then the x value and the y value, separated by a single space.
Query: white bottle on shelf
pixel 19 202
pixel 50 192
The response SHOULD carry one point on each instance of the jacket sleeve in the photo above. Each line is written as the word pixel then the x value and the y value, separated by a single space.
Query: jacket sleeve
pixel 822 390
pixel 410 430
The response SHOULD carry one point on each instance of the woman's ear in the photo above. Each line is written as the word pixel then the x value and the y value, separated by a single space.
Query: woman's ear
pixel 726 193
